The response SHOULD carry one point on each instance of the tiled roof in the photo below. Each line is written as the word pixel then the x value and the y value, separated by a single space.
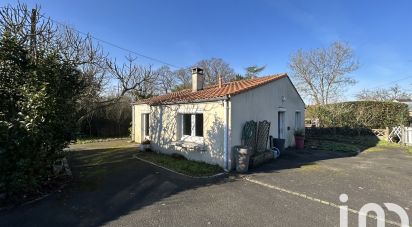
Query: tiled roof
pixel 212 92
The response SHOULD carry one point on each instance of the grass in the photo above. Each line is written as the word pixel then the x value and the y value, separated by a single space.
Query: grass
pixel 86 140
pixel 328 145
pixel 181 165
pixel 364 143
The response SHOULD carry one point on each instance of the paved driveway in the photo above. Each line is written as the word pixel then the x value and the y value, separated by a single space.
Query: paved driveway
pixel 300 189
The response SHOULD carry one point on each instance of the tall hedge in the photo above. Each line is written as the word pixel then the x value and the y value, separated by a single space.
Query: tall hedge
pixel 38 98
pixel 360 114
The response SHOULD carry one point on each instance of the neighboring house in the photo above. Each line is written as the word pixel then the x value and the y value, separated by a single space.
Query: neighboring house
pixel 205 123
pixel 407 102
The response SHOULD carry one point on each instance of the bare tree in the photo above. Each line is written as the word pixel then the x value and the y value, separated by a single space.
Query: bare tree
pixel 215 67
pixel 183 78
pixel 167 79
pixel 383 94
pixel 133 78
pixel 322 74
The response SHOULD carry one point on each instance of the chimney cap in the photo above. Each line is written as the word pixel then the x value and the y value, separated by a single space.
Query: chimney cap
pixel 197 70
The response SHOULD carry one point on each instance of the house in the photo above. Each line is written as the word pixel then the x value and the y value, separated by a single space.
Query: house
pixel 205 123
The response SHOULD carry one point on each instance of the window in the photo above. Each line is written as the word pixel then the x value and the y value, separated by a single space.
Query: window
pixel 192 125
pixel 199 125
pixel 146 124
pixel 298 120
pixel 187 124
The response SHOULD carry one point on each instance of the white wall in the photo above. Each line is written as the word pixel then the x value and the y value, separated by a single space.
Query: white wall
pixel 263 103
pixel 165 129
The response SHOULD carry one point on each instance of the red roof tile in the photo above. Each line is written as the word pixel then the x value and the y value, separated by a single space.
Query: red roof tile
pixel 212 92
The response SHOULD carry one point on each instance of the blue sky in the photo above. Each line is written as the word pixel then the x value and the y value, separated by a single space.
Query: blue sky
pixel 244 33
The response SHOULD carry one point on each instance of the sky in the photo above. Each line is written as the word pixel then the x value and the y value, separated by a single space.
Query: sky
pixel 244 33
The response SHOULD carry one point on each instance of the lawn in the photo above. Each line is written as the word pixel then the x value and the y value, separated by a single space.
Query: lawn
pixel 328 145
pixel 352 143
pixel 86 140
pixel 180 164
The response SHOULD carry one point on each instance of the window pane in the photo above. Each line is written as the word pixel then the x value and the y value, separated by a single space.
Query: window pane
pixel 199 124
pixel 187 120
pixel 146 124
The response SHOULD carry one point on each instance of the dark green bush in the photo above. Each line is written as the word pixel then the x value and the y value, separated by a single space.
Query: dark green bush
pixel 37 115
pixel 360 114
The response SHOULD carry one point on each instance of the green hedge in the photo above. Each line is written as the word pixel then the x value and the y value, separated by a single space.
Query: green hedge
pixel 360 114
pixel 38 98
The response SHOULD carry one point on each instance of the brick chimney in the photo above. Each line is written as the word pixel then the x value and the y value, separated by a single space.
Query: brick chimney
pixel 197 79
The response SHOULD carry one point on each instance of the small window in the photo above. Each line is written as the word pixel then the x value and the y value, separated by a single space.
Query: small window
pixel 199 125
pixel 187 124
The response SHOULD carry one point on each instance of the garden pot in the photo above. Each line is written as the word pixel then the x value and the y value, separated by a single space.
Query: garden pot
pixel 300 142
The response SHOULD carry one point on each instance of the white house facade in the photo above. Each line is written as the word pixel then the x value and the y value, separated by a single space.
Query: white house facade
pixel 205 123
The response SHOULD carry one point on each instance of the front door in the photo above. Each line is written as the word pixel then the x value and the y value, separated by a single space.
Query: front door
pixel 281 125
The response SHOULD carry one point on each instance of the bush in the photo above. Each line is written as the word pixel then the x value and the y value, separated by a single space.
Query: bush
pixel 37 115
pixel 360 114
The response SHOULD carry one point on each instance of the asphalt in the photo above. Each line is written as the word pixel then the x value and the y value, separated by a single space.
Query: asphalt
pixel 128 192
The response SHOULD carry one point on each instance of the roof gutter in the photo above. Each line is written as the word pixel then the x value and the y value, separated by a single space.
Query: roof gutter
pixel 188 102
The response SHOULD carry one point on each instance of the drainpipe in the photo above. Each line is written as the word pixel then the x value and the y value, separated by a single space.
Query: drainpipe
pixel 225 134
pixel 133 123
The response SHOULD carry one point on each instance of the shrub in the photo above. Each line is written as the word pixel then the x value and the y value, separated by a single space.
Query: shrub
pixel 37 115
pixel 360 114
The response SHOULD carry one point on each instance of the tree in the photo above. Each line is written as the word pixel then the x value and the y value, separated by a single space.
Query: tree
pixel 39 94
pixel 167 80
pixel 253 70
pixel 383 94
pixel 215 67
pixel 133 78
pixel 322 74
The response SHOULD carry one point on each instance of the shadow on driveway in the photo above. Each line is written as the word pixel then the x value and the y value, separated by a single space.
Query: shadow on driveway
pixel 107 184
pixel 291 159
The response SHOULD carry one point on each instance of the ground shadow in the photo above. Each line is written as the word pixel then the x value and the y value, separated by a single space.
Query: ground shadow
pixel 294 158
pixel 110 183
pixel 107 184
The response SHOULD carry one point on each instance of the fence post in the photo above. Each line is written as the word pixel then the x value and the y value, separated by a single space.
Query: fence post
pixel 403 137
pixel 387 132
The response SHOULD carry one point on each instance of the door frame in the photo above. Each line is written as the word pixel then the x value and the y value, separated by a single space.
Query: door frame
pixel 281 124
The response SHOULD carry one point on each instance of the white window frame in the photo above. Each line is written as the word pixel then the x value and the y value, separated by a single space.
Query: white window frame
pixel 192 137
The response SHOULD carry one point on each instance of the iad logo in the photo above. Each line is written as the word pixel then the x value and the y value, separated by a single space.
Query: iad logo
pixel 363 213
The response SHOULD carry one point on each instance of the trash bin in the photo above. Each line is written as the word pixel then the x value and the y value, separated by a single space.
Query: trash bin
pixel 279 144
pixel 242 159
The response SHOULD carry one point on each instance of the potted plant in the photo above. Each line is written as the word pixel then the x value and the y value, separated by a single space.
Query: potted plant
pixel 300 138
pixel 145 145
